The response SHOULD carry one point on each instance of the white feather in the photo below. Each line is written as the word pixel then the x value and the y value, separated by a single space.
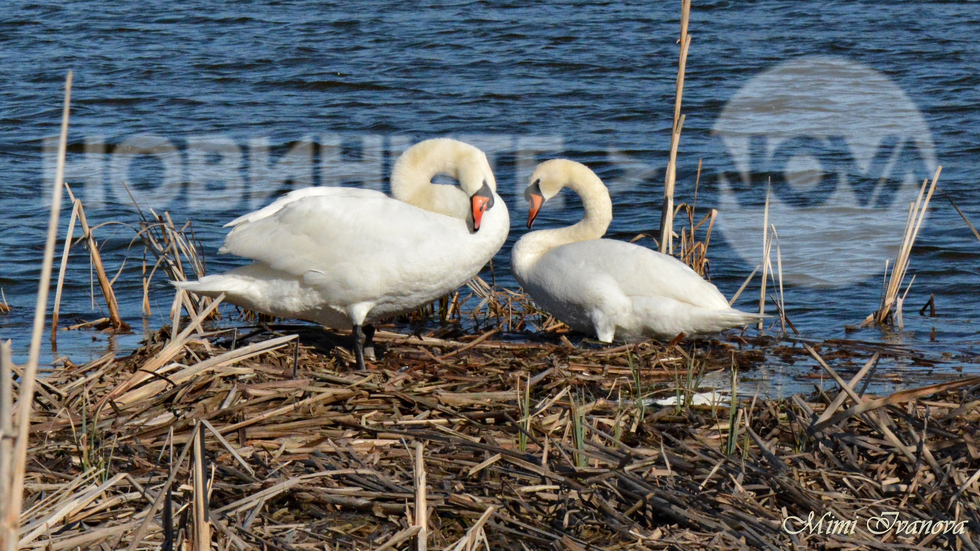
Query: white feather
pixel 611 289
pixel 344 256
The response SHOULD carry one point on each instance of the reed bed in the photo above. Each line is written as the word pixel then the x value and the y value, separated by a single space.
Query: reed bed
pixel 264 438
pixel 890 309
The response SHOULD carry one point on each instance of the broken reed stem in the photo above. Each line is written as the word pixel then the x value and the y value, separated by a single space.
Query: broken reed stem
pixel 779 266
pixel 62 270
pixel 766 247
pixel 150 511
pixel 899 302
pixel 13 501
pixel 685 42
pixel 167 247
pixel 901 264
pixel 202 530
pixel 421 507
pixel 93 249
pixel 6 417
pixel 963 216
pixel 744 285
pixel 667 213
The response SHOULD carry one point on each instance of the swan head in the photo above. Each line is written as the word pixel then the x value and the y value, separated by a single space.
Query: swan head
pixel 549 178
pixel 411 178
pixel 475 179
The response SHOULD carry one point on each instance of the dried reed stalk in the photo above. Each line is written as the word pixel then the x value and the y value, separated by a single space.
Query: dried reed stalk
pixel 913 223
pixel 96 257
pixel 61 272
pixel 766 264
pixel 783 318
pixel 150 512
pixel 421 505
pixel 695 253
pixel 169 244
pixel 475 534
pixel 960 212
pixel 172 349
pixel 6 419
pixel 202 529
pixel 666 214
pixel 11 503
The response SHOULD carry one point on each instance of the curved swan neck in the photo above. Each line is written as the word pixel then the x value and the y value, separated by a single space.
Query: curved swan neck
pixel 595 200
pixel 411 177
pixel 598 214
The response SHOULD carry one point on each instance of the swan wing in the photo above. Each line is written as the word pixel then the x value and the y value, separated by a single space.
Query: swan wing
pixel 296 195
pixel 634 270
pixel 349 242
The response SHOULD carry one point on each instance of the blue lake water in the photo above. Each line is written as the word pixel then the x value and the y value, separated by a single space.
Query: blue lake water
pixel 210 111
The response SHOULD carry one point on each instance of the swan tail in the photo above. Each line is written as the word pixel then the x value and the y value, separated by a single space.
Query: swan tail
pixel 720 320
pixel 665 317
pixel 214 285
pixel 702 321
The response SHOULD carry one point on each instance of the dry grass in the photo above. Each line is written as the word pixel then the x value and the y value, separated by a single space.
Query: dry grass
pixel 890 309
pixel 177 251
pixel 526 445
pixel 693 252
pixel 114 319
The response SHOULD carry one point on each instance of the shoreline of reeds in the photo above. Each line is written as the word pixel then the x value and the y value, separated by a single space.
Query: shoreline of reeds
pixel 248 440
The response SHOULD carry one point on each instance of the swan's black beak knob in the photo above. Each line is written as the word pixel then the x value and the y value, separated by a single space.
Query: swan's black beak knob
pixel 536 199
pixel 481 202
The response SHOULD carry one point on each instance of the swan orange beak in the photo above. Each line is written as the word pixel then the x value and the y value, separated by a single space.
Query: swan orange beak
pixel 536 202
pixel 479 207
pixel 481 202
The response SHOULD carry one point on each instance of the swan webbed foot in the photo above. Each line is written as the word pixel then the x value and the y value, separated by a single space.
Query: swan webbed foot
pixel 356 333
pixel 369 342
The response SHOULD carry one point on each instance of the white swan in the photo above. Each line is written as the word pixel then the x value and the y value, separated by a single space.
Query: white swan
pixel 346 257
pixel 606 288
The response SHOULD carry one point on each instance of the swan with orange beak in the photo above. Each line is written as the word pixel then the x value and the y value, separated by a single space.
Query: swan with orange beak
pixel 347 257
pixel 606 288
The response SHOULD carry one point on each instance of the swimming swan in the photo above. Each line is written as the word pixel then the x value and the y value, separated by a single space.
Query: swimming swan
pixel 347 257
pixel 606 288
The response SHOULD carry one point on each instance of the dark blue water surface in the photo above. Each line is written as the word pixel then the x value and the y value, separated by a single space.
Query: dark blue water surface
pixel 210 85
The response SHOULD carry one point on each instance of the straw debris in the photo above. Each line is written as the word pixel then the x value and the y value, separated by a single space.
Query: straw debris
pixel 480 442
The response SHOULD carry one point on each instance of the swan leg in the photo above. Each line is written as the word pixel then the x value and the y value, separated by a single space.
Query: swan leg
pixel 358 347
pixel 369 342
